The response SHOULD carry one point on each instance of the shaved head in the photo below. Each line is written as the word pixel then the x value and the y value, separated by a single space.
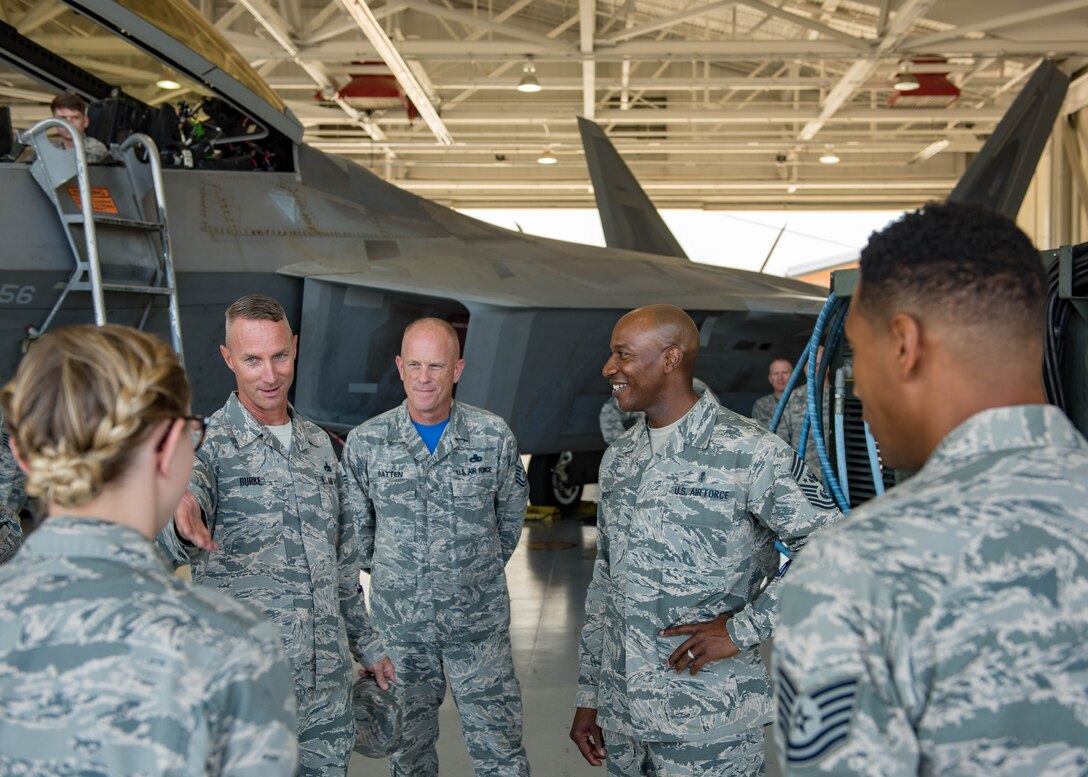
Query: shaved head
pixel 437 324
pixel 669 326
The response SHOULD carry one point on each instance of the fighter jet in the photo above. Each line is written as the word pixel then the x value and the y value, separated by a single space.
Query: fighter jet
pixel 250 208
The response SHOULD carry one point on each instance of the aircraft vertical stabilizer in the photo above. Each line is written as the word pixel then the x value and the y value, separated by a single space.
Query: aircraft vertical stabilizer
pixel 999 176
pixel 628 217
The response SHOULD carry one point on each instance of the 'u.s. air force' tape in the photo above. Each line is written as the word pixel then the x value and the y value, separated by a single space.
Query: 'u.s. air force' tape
pixel 817 722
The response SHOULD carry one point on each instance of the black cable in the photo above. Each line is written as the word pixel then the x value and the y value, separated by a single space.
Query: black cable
pixel 1058 311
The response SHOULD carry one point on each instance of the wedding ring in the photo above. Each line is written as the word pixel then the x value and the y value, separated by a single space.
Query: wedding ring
pixel 691 655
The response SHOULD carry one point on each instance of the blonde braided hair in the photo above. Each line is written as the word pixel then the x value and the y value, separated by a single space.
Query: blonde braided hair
pixel 81 403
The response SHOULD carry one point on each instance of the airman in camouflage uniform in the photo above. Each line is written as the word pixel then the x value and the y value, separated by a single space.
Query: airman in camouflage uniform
pixel 436 528
pixel 678 604
pixel 940 629
pixel 280 539
pixel 792 420
pixel 110 665
pixel 12 498
pixel 95 634
pixel 778 375
pixel 615 422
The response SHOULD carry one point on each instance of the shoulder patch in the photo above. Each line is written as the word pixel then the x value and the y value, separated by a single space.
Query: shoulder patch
pixel 519 475
pixel 810 486
pixel 816 723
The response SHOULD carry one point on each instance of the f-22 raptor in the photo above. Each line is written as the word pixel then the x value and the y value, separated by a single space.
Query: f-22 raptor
pixel 252 208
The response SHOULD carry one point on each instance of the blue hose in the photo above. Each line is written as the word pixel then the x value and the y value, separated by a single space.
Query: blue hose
pixel 837 323
pixel 814 402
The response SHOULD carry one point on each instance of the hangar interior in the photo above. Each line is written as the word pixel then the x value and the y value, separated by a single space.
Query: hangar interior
pixel 734 104
pixel 714 104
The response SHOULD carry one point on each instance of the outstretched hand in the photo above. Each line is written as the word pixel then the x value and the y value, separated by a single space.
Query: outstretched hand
pixel 190 526
pixel 708 641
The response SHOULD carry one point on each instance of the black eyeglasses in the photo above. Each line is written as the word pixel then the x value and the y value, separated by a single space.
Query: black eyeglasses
pixel 198 427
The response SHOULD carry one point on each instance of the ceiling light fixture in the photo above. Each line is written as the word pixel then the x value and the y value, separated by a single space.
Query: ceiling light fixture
pixel 906 82
pixel 529 82
pixel 547 158
pixel 167 83
pixel 934 148
pixel 374 33
pixel 829 157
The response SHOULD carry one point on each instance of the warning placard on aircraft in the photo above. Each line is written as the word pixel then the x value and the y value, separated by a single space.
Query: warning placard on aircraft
pixel 101 201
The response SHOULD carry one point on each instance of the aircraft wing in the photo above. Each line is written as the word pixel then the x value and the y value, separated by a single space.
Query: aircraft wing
pixel 527 272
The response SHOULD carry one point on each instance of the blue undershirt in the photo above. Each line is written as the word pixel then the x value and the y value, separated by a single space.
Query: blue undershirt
pixel 431 434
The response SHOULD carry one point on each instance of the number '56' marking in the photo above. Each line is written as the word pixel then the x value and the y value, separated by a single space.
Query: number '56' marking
pixel 13 292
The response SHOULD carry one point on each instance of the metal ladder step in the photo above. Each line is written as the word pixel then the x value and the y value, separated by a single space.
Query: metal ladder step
pixel 124 288
pixel 54 168
pixel 114 221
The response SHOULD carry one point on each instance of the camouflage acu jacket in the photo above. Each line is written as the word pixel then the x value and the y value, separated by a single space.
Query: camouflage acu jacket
pixel 684 537
pixel 436 530
pixel 12 498
pixel 941 629
pixel 792 421
pixel 111 665
pixel 284 545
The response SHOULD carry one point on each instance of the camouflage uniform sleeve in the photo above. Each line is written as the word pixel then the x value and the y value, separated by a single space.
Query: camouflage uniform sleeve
pixel 12 498
pixel 11 533
pixel 354 482
pixel 512 498
pixel 254 700
pixel 589 648
pixel 844 641
pixel 363 639
pixel 204 487
pixel 784 496
pixel 12 480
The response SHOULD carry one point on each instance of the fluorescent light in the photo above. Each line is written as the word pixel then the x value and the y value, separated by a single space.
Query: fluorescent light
pixel 547 158
pixel 364 17
pixel 529 82
pixel 906 82
pixel 829 157
pixel 167 83
pixel 934 148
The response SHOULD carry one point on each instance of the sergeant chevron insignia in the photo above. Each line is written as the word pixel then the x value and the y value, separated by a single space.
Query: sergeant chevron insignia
pixel 816 722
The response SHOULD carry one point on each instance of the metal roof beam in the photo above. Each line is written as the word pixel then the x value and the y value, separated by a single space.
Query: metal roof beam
pixel 392 57
pixel 665 22
pixel 276 26
pixel 509 30
pixel 760 116
pixel 665 50
pixel 861 71
pixel 997 23
pixel 40 14
pixel 811 24
pixel 587 24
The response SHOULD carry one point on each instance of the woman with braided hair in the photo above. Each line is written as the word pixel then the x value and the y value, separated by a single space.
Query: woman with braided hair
pixel 108 663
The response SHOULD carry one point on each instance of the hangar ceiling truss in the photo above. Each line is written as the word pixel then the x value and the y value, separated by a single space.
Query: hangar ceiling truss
pixel 714 103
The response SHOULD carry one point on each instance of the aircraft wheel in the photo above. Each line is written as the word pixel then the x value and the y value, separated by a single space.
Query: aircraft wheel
pixel 549 485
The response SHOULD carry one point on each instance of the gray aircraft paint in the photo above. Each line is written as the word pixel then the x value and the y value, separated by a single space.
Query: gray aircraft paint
pixel 353 258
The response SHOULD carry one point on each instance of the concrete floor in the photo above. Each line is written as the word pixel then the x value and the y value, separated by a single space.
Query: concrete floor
pixel 547 578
